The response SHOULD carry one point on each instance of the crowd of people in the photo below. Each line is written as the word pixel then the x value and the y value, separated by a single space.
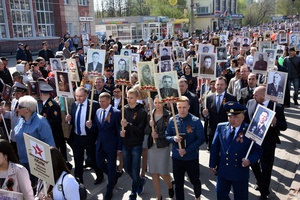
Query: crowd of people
pixel 114 130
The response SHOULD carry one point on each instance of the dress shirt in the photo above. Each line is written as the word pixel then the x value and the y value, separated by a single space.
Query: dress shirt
pixel 221 98
pixel 106 112
pixel 116 103
pixel 82 118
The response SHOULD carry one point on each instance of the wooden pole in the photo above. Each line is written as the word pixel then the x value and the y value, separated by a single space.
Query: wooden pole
pixel 92 99
pixel 150 111
pixel 8 136
pixel 66 107
pixel 175 124
pixel 249 149
pixel 123 106
pixel 205 87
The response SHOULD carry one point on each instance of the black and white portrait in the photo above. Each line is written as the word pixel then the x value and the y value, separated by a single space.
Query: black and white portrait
pixel 221 54
pixel 167 85
pixel 276 85
pixel 55 64
pixel 122 69
pixel 126 52
pixel 165 66
pixel 95 60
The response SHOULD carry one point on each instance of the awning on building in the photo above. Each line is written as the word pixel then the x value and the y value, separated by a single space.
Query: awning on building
pixel 179 21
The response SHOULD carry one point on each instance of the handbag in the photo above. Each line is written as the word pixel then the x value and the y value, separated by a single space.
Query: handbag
pixel 82 189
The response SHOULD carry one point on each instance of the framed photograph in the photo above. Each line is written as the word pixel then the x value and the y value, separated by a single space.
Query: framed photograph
pixel 63 84
pixel 275 45
pixel 264 45
pixel 180 53
pixel 206 48
pixel 223 37
pixel 6 93
pixel 64 65
pixel 267 35
pixel 271 53
pixel 167 86
pixel 146 72
pixel 33 89
pixel 166 66
pixel 207 67
pixel 282 37
pixel 165 53
pixel 280 49
pixel 297 43
pixel 259 124
pixel 276 85
pixel 236 41
pixel 195 66
pixel 222 54
pixel 55 64
pixel 135 59
pixel 292 39
pixel 260 63
pixel 157 48
pixel 175 44
pixel 73 70
pixel 122 69
pixel 95 61
pixel 215 41
pixel 260 38
pixel 126 52
pixel 245 43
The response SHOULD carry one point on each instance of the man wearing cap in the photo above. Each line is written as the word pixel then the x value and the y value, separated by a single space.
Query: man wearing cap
pixel 19 90
pixel 292 63
pixel 228 151
pixel 21 55
pixel 263 169
pixel 109 78
pixel 52 112
pixel 95 65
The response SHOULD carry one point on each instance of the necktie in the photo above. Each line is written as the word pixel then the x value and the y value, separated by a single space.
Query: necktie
pixel 232 133
pixel 219 102
pixel 103 117
pixel 78 120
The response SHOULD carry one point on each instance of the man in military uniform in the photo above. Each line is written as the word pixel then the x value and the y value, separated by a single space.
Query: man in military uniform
pixel 228 151
pixel 109 79
pixel 52 112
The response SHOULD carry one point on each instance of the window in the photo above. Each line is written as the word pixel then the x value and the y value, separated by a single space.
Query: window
pixel 203 10
pixel 2 22
pixel 67 2
pixel 82 2
pixel 44 11
pixel 70 28
pixel 21 18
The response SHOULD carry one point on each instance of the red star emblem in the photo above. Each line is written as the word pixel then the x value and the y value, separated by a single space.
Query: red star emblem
pixel 72 64
pixel 38 150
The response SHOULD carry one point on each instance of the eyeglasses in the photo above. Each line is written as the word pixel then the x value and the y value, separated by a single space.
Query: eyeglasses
pixel 21 107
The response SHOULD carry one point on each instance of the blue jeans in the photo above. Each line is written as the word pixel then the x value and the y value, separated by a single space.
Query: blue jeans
pixel 296 87
pixel 132 163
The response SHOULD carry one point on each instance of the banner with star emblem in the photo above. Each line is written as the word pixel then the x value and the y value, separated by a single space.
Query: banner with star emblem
pixel 39 158
pixel 73 70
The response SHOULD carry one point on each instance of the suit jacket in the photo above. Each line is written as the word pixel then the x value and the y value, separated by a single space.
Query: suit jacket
pixel 245 96
pixel 109 132
pixel 91 134
pixel 214 116
pixel 256 130
pixel 260 65
pixel 272 135
pixel 98 67
pixel 272 90
pixel 227 153
pixel 168 92
pixel 120 104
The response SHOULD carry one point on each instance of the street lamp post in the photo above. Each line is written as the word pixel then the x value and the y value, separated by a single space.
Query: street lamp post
pixel 192 17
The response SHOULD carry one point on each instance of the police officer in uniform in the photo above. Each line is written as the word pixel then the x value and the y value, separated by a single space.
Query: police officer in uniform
pixel 51 111
pixel 228 151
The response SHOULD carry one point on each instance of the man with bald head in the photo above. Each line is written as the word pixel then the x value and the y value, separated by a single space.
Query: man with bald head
pixel 263 169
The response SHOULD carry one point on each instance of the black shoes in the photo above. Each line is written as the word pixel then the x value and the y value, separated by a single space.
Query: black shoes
pixel 98 180
pixel 108 196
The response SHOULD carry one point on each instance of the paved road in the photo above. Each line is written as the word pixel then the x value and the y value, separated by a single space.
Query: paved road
pixel 286 162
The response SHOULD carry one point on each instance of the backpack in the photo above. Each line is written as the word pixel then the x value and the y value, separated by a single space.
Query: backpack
pixel 82 189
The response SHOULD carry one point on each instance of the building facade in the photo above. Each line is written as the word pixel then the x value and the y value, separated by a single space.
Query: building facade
pixel 216 14
pixel 33 21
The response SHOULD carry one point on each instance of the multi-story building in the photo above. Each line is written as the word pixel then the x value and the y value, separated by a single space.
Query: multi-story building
pixel 33 21
pixel 216 14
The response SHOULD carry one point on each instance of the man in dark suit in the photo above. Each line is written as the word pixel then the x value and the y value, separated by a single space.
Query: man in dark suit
pixel 263 169
pixel 246 93
pixel 245 44
pixel 45 52
pixel 165 54
pixel 95 65
pixel 107 125
pixel 275 89
pixel 116 100
pixel 228 152
pixel 260 64
pixel 167 90
pixel 214 107
pixel 194 103
pixel 81 137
